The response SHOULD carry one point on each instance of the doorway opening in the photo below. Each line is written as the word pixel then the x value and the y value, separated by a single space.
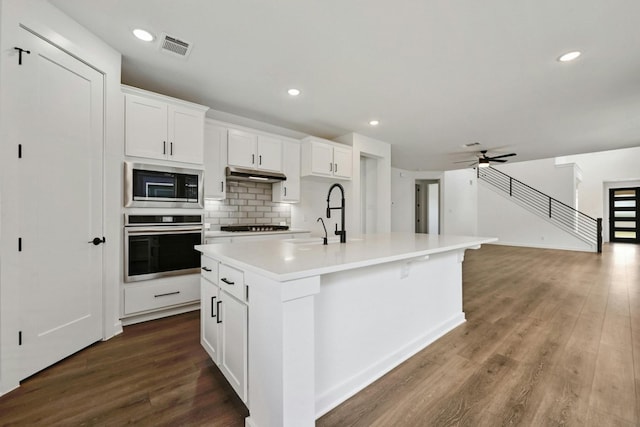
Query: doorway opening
pixel 427 206
pixel 624 214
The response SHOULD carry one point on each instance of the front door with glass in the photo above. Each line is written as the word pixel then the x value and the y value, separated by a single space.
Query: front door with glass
pixel 624 215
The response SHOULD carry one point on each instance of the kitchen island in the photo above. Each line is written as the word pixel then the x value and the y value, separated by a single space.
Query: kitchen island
pixel 324 321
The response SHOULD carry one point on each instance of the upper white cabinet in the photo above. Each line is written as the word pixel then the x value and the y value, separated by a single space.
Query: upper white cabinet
pixel 254 151
pixel 164 128
pixel 215 155
pixel 289 190
pixel 325 158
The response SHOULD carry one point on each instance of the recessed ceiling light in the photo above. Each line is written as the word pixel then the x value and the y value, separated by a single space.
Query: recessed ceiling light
pixel 374 122
pixel 569 56
pixel 143 35
pixel 293 92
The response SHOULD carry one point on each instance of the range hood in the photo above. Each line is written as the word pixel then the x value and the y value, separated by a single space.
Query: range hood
pixel 242 174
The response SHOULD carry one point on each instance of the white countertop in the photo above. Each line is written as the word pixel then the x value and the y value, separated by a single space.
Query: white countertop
pixel 292 259
pixel 218 233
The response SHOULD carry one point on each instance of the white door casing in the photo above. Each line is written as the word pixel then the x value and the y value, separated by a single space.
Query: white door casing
pixel 60 199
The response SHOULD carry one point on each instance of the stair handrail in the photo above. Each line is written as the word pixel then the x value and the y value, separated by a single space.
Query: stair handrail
pixel 598 221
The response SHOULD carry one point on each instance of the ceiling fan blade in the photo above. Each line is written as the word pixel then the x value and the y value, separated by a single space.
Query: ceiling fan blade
pixel 501 156
pixel 498 160
pixel 466 161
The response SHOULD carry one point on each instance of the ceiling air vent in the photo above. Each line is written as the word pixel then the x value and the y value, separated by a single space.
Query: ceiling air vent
pixel 175 46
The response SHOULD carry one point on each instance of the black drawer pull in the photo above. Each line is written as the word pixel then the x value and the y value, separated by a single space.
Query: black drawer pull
pixel 207 269
pixel 167 294
pixel 212 303
pixel 227 281
pixel 219 319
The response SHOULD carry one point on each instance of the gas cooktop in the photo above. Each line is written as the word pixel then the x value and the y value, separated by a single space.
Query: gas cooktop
pixel 254 227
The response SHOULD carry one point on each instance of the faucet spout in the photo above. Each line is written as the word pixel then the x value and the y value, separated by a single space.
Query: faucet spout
pixel 342 233
pixel 325 238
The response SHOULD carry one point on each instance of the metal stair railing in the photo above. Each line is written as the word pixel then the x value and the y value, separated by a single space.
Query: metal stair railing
pixel 562 215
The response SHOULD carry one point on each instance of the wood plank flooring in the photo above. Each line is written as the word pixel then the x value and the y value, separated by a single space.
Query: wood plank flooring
pixel 551 338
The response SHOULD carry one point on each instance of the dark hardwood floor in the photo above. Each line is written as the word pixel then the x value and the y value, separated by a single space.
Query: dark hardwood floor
pixel 551 338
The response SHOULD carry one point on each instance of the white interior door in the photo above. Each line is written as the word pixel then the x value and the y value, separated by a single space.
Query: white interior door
pixel 59 183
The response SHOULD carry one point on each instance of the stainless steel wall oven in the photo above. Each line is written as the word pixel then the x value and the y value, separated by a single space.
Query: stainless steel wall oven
pixel 154 186
pixel 161 245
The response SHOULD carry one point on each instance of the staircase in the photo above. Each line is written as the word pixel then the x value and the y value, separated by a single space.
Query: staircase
pixel 563 216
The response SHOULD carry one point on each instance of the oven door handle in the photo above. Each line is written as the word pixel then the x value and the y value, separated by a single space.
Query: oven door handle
pixel 172 229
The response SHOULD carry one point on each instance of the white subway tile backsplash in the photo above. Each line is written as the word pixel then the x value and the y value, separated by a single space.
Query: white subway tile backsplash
pixel 247 203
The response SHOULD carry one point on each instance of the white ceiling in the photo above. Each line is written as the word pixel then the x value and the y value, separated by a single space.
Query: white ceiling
pixel 437 74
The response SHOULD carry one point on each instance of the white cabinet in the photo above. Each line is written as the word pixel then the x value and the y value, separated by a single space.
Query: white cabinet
pixel 255 236
pixel 224 321
pixel 215 155
pixel 325 158
pixel 253 151
pixel 289 190
pixel 164 128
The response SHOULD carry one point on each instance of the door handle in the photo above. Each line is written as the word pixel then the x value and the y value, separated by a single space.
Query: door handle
pixel 206 269
pixel 96 240
pixel 218 311
pixel 212 303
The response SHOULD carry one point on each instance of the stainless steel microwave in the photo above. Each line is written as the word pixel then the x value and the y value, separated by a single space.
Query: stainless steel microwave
pixel 159 186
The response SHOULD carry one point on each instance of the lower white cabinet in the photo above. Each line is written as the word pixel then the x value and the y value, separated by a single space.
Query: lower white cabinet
pixel 224 323
pixel 145 296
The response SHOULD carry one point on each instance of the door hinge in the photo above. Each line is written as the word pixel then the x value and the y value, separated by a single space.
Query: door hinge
pixel 19 337
pixel 19 244
pixel 19 151
pixel 20 50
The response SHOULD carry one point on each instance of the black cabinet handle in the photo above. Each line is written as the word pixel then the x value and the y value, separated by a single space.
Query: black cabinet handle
pixel 285 191
pixel 207 269
pixel 219 319
pixel 96 240
pixel 222 186
pixel 335 167
pixel 164 147
pixel 212 302
pixel 330 167
pixel 171 148
pixel 260 159
pixel 227 281
pixel 167 294
pixel 253 158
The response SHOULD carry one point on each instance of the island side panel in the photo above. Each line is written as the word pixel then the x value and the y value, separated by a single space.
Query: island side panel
pixel 281 351
pixel 369 320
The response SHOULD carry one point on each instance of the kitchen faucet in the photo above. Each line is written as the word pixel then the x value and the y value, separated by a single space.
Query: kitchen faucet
pixel 342 233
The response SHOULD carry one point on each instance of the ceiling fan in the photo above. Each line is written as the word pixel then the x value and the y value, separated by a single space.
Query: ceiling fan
pixel 485 161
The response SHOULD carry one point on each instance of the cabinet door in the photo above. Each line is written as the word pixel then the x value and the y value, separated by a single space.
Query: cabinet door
pixel 233 343
pixel 208 318
pixel 215 149
pixel 145 127
pixel 269 153
pixel 321 159
pixel 186 134
pixel 289 190
pixel 342 162
pixel 241 149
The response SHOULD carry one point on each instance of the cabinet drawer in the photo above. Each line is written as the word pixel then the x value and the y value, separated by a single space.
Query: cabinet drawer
pixel 232 281
pixel 152 297
pixel 209 269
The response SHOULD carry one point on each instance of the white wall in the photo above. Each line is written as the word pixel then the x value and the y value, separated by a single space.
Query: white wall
pixel 600 168
pixel 402 200
pixel 47 21
pixel 460 202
